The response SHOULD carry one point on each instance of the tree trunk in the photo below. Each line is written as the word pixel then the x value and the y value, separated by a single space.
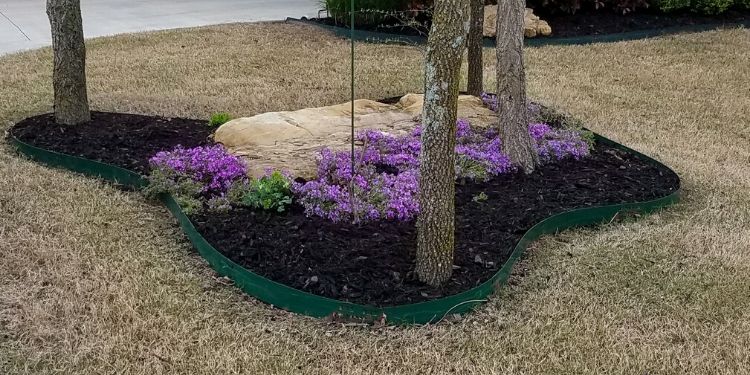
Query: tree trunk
pixel 511 86
pixel 435 226
pixel 476 32
pixel 69 75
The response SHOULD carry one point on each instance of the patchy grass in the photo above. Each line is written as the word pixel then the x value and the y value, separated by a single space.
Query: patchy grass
pixel 96 280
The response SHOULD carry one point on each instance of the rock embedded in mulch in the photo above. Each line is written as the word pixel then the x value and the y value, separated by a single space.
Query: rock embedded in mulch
pixel 290 140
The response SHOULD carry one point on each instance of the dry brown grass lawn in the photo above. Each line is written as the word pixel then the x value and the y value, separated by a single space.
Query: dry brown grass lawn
pixel 96 280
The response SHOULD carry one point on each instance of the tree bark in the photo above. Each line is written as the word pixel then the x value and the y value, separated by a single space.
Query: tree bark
pixel 511 86
pixel 476 32
pixel 69 75
pixel 435 226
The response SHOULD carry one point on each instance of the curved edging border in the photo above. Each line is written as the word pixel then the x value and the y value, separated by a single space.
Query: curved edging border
pixel 379 37
pixel 297 301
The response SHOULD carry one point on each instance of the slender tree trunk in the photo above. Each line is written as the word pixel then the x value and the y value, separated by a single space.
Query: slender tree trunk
pixel 476 32
pixel 511 86
pixel 69 75
pixel 445 47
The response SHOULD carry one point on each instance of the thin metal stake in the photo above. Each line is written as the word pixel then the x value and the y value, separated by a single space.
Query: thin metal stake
pixel 351 183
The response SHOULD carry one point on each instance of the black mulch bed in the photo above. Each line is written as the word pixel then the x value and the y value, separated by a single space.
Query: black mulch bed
pixel 603 22
pixel 121 139
pixel 373 263
pixel 584 22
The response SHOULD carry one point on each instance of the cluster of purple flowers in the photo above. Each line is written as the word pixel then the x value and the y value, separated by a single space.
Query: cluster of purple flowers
pixel 385 182
pixel 489 100
pixel 211 168
pixel 477 151
pixel 383 185
pixel 338 194
pixel 557 144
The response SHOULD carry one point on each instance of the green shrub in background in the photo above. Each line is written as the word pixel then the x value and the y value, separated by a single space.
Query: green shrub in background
pixel 219 119
pixel 701 6
pixel 572 6
pixel 374 12
pixel 709 7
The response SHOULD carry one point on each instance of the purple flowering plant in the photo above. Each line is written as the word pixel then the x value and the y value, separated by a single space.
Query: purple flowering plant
pixel 340 195
pixel 195 174
pixel 558 144
pixel 385 182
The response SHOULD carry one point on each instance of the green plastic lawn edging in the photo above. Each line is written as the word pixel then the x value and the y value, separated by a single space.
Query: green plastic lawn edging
pixel 389 38
pixel 297 301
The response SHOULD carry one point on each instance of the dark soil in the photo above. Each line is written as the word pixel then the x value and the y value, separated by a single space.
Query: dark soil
pixel 606 22
pixel 121 139
pixel 373 263
pixel 584 22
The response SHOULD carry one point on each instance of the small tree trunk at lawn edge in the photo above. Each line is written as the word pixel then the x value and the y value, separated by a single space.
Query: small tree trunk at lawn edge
pixel 69 75
pixel 476 32
pixel 435 226
pixel 511 86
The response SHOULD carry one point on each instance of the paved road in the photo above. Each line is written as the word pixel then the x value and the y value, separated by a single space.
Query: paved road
pixel 24 23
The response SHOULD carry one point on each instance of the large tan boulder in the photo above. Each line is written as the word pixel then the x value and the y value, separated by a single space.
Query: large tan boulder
pixel 469 107
pixel 290 140
pixel 532 26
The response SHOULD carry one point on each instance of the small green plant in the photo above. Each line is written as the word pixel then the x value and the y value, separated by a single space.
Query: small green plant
pixel 470 168
pixel 479 198
pixel 184 190
pixel 189 205
pixel 588 137
pixel 270 192
pixel 219 119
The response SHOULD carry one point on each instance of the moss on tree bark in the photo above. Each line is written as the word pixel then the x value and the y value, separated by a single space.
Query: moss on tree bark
pixel 436 223
pixel 69 75
pixel 511 86
pixel 476 33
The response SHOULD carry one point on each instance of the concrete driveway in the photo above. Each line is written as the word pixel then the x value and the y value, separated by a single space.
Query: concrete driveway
pixel 24 23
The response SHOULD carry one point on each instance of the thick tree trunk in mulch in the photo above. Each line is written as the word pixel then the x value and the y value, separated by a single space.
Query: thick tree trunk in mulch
pixel 511 86
pixel 69 75
pixel 435 239
pixel 476 71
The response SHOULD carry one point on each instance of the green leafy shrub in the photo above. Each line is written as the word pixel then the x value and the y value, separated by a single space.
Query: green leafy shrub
pixel 219 119
pixel 572 6
pixel 709 7
pixel 700 6
pixel 375 12
pixel 270 192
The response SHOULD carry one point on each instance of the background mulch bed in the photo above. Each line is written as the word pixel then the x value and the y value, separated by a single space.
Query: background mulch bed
pixel 121 139
pixel 586 22
pixel 370 263
pixel 591 22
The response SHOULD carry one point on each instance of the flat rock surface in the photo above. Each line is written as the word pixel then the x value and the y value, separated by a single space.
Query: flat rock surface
pixel 290 140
